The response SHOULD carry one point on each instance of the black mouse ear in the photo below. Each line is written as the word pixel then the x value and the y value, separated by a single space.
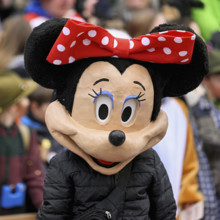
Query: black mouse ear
pixel 37 49
pixel 178 79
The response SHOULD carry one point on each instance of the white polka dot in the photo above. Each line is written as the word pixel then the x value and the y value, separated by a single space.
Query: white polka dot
pixel 71 59
pixel 92 33
pixel 162 32
pixel 60 47
pixel 66 31
pixel 178 40
pixel 131 44
pixel 193 37
pixel 167 50
pixel 181 31
pixel 79 34
pixel 57 62
pixel 151 49
pixel 161 38
pixel 115 43
pixel 183 53
pixel 183 61
pixel 145 41
pixel 86 42
pixel 73 44
pixel 105 40
pixel 115 56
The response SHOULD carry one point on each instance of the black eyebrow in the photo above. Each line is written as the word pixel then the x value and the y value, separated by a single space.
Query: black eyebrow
pixel 136 82
pixel 100 80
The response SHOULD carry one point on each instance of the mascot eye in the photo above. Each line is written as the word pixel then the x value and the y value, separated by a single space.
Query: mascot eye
pixel 103 108
pixel 128 111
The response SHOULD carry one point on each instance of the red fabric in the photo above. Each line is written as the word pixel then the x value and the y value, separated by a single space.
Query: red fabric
pixel 79 40
pixel 28 17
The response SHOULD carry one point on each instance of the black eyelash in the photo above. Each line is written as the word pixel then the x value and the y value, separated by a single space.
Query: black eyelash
pixel 96 94
pixel 139 96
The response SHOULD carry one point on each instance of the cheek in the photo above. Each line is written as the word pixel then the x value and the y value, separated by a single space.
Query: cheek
pixel 84 109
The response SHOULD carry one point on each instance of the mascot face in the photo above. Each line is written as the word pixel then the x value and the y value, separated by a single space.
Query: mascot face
pixel 108 109
pixel 110 122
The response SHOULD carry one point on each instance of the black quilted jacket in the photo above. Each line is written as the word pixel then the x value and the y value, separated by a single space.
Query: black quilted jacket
pixel 71 187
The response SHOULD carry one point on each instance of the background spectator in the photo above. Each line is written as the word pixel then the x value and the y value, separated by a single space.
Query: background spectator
pixel 207 117
pixel 20 162
pixel 38 11
pixel 35 119
pixel 15 31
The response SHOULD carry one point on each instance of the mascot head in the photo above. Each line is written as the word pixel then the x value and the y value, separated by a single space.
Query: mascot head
pixel 108 90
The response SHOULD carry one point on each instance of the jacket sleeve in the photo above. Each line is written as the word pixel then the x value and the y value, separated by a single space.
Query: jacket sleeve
pixel 189 192
pixel 162 203
pixel 58 193
pixel 33 173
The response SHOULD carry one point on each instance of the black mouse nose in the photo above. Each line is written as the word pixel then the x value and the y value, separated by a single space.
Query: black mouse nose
pixel 117 137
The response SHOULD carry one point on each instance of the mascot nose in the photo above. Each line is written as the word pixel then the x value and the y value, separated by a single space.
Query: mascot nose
pixel 117 137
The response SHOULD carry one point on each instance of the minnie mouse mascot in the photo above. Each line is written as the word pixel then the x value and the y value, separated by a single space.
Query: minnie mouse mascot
pixel 106 112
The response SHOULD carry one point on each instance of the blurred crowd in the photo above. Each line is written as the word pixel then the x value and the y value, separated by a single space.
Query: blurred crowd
pixel 190 150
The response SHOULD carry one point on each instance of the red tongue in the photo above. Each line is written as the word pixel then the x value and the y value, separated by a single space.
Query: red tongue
pixel 105 162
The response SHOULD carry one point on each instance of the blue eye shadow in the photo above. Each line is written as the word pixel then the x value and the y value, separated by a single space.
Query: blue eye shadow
pixel 104 92
pixel 131 97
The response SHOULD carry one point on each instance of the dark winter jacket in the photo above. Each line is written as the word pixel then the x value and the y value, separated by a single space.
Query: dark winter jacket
pixel 72 187
pixel 207 117
pixel 20 163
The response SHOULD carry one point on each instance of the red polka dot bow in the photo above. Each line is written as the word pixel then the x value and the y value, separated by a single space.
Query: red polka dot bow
pixel 79 40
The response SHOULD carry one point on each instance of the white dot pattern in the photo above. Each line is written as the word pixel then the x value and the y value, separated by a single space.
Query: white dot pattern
pixel 73 44
pixel 167 50
pixel 57 62
pixel 151 49
pixel 92 33
pixel 66 31
pixel 86 42
pixel 178 40
pixel 115 43
pixel 105 40
pixel 71 59
pixel 131 44
pixel 60 48
pixel 145 41
pixel 161 38
pixel 185 60
pixel 193 37
pixel 173 46
pixel 183 53
pixel 79 34
pixel 163 32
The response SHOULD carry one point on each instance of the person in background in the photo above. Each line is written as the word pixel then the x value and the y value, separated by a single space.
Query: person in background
pixel 141 16
pixel 207 117
pixel 178 153
pixel 39 101
pixel 6 9
pixel 180 12
pixel 21 173
pixel 208 18
pixel 87 8
pixel 15 31
pixel 38 11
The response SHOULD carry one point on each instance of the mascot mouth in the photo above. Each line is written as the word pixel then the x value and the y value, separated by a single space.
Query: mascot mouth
pixel 105 164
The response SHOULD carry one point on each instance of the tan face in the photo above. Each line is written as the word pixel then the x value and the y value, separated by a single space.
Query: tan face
pixel 110 123
pixel 212 84
pixel 137 4
pixel 57 8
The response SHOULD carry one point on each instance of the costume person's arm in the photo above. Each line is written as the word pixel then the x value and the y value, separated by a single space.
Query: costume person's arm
pixel 58 193
pixel 162 203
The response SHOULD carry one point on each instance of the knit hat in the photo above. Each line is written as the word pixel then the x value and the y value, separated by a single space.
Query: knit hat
pixel 13 89
pixel 214 61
